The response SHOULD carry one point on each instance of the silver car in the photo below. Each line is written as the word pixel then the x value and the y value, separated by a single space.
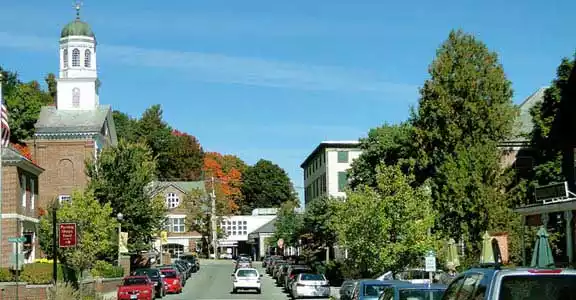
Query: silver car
pixel 310 285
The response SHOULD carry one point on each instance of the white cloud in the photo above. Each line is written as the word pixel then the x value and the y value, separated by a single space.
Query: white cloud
pixel 219 68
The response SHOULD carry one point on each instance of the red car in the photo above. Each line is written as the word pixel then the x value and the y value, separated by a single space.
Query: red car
pixel 136 288
pixel 172 281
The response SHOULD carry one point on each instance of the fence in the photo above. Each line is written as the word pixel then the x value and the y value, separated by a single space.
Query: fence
pixel 24 291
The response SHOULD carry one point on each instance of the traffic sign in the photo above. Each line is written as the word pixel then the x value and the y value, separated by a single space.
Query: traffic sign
pixel 67 236
pixel 16 239
pixel 430 262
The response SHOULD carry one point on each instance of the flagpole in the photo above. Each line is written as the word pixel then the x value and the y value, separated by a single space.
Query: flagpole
pixel 1 171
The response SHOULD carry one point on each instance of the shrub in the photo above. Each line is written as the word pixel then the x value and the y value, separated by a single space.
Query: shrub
pixel 5 275
pixel 106 270
pixel 40 273
pixel 67 291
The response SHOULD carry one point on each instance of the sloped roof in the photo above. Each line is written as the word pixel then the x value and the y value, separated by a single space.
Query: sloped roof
pixel 524 123
pixel 183 186
pixel 53 120
pixel 11 156
pixel 269 227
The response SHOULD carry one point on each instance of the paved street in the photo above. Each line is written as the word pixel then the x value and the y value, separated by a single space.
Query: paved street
pixel 213 282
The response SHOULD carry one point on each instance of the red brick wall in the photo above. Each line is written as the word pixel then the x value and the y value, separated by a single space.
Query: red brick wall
pixel 64 164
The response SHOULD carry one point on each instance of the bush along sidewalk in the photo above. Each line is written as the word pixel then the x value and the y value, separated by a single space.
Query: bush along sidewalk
pixel 41 273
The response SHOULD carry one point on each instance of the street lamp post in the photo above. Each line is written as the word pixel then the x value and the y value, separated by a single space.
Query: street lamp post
pixel 120 217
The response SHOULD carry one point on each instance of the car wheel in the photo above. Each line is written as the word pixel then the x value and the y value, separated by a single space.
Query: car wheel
pixel 258 291
pixel 234 291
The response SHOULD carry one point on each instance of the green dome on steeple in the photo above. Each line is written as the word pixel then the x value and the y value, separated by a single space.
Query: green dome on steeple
pixel 77 27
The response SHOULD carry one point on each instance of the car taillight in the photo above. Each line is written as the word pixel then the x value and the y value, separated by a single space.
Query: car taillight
pixel 145 291
pixel 544 271
pixel 292 276
pixel 176 281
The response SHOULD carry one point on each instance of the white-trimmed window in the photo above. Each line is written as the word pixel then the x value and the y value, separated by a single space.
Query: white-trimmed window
pixel 172 200
pixel 23 189
pixel 176 225
pixel 64 198
pixel 32 193
pixel 75 58
pixel 65 58
pixel 75 97
pixel 87 58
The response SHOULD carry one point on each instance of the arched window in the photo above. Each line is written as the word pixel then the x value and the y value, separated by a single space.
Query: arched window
pixel 87 58
pixel 76 97
pixel 65 58
pixel 75 58
pixel 172 200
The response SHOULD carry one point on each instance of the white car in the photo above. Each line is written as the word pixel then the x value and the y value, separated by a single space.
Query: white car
pixel 246 279
pixel 310 285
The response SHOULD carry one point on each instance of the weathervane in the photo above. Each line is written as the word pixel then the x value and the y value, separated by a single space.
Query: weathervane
pixel 77 5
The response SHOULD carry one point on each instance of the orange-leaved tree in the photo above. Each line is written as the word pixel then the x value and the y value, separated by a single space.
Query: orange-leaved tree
pixel 227 173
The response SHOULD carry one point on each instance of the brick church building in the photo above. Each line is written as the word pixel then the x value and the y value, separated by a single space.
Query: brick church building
pixel 77 127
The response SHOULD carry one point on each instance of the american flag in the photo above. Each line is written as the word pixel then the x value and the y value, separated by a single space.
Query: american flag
pixel 5 138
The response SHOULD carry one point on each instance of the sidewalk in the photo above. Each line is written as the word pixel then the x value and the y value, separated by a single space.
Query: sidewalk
pixel 109 296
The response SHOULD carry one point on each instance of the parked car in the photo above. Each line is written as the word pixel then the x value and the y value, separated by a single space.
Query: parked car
pixel 188 267
pixel 310 285
pixel 291 276
pixel 246 279
pixel 156 277
pixel 408 291
pixel 172 281
pixel 178 270
pixel 193 260
pixel 492 283
pixel 347 288
pixel 136 288
pixel 370 289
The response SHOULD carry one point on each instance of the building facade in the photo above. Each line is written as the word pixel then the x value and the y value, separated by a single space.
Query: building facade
pixel 179 238
pixel 77 127
pixel 326 168
pixel 20 211
pixel 236 230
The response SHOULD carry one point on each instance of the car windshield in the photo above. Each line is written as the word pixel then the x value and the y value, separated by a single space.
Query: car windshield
pixel 247 273
pixel 135 281
pixel 423 294
pixel 315 277
pixel 530 287
pixel 147 272
pixel 373 290
pixel 169 273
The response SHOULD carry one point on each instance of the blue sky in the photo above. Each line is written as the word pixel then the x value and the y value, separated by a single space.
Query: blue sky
pixel 271 79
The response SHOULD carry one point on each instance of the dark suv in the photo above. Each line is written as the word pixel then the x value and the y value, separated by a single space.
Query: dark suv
pixel 155 276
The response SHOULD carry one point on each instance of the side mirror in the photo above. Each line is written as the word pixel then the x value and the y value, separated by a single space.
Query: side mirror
pixel 231 274
pixel 261 275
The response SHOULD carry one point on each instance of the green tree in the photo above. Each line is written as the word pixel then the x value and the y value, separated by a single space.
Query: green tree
pixel 187 157
pixel 157 134
pixel 265 184
pixel 547 153
pixel 126 126
pixel 23 101
pixel 387 228
pixel 121 176
pixel 388 144
pixel 95 227
pixel 465 109
pixel 288 224
pixel 318 226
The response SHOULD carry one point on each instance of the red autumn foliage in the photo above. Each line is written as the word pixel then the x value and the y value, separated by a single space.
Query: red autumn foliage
pixel 176 132
pixel 41 211
pixel 227 178
pixel 24 150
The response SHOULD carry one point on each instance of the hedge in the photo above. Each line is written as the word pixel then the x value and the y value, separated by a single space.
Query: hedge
pixel 106 270
pixel 35 273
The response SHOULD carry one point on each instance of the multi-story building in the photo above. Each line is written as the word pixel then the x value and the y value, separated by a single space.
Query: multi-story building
pixel 20 211
pixel 77 127
pixel 237 228
pixel 179 238
pixel 326 168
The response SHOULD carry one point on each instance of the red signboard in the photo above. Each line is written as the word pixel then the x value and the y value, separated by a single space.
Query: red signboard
pixel 67 236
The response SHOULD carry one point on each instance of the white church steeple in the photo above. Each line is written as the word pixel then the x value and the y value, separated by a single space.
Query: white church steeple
pixel 78 77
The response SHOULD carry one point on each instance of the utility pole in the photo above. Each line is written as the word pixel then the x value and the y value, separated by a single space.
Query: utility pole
pixel 213 221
